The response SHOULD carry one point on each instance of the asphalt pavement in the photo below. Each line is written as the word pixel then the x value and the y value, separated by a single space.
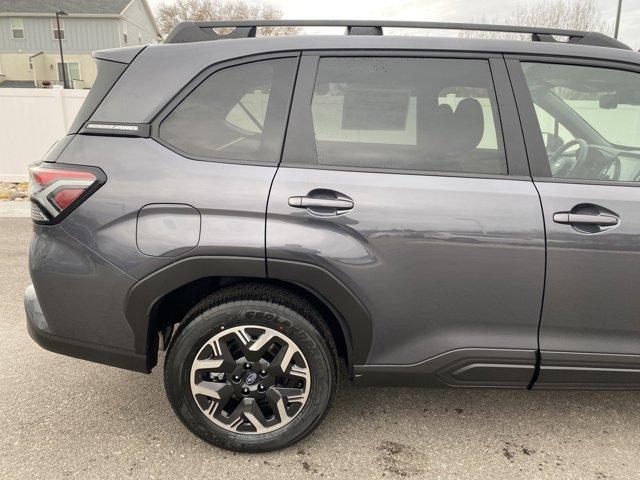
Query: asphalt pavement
pixel 66 418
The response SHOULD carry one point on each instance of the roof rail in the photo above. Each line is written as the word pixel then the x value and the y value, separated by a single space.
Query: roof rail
pixel 186 32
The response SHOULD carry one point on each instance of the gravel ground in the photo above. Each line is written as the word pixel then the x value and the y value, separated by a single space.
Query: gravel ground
pixel 65 418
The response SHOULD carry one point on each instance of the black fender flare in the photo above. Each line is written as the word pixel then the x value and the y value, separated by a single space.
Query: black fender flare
pixel 353 317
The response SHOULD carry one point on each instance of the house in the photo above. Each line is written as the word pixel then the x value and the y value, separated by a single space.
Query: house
pixel 30 38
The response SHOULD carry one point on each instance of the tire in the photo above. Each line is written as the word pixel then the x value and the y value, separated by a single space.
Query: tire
pixel 295 378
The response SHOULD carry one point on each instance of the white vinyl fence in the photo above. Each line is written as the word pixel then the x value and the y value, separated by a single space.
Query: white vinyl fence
pixel 31 121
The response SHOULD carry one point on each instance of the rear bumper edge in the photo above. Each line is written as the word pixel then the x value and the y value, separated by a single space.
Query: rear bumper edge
pixel 37 326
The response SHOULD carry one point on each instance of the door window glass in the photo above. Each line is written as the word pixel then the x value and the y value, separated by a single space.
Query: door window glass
pixel 408 114
pixel 236 113
pixel 589 118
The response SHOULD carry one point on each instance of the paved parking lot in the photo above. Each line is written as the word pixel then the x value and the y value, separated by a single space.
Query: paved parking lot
pixel 64 418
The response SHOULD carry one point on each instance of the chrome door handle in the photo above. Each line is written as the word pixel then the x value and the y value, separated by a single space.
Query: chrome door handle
pixel 312 202
pixel 568 218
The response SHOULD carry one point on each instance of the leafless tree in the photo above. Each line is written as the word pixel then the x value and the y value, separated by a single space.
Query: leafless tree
pixel 566 14
pixel 170 14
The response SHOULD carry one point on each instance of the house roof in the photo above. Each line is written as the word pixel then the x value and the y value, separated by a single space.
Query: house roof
pixel 90 7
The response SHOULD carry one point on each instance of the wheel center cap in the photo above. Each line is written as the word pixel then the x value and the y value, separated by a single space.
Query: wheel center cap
pixel 251 378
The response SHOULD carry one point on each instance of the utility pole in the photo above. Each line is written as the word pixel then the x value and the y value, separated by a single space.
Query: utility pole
pixel 617 29
pixel 65 83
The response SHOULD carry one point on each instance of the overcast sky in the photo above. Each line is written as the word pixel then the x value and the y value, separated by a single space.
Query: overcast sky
pixel 437 10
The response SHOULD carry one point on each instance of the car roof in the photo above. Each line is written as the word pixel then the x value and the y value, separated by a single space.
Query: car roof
pixel 159 72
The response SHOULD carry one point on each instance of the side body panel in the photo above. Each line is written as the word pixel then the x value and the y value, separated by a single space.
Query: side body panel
pixel 230 199
pixel 441 264
pixel 592 303
pixel 589 333
pixel 66 274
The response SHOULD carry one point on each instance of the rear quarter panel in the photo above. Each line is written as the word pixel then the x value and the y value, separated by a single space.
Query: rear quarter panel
pixel 230 198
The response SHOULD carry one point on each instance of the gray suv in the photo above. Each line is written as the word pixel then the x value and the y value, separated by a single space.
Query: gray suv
pixel 437 212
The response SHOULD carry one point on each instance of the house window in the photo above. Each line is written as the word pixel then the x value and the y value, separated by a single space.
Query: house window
pixel 57 34
pixel 72 69
pixel 125 35
pixel 17 29
pixel 30 60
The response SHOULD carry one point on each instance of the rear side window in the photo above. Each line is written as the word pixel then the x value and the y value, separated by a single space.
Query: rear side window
pixel 237 113
pixel 428 114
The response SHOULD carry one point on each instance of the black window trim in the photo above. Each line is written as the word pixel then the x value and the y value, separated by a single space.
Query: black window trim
pixel 200 78
pixel 300 137
pixel 538 158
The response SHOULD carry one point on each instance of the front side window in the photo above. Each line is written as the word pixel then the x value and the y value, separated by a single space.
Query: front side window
pixel 237 113
pixel 17 29
pixel 426 114
pixel 58 34
pixel 589 118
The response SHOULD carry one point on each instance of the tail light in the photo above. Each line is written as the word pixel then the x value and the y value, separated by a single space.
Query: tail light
pixel 57 189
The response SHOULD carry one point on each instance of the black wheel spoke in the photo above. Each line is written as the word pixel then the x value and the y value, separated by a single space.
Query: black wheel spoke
pixel 218 358
pixel 279 399
pixel 213 390
pixel 237 417
pixel 246 417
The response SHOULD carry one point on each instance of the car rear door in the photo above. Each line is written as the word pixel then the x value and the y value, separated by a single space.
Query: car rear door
pixel 404 182
pixel 589 332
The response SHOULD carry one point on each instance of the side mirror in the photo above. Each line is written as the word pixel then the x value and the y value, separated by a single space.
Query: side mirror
pixel 608 101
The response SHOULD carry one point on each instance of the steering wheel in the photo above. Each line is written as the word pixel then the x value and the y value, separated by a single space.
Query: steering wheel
pixel 562 166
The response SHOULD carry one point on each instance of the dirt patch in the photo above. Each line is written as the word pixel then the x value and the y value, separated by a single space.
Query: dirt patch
pixel 399 460
pixel 512 450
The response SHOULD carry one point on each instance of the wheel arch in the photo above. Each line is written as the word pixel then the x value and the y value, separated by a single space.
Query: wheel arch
pixel 154 302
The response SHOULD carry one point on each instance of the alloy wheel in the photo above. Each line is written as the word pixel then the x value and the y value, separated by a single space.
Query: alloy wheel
pixel 250 379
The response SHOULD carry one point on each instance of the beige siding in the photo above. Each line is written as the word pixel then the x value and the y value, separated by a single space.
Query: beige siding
pixel 45 66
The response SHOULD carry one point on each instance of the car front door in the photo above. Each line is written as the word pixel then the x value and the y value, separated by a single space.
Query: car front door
pixel 404 183
pixel 589 187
